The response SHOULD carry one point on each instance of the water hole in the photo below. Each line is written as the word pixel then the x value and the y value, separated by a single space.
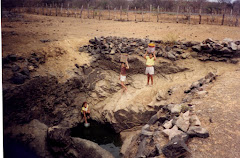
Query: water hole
pixel 102 134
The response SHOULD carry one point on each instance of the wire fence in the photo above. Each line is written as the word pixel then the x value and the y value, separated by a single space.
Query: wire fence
pixel 137 15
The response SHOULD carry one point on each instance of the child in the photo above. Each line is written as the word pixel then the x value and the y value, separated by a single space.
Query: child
pixel 150 62
pixel 85 111
pixel 123 75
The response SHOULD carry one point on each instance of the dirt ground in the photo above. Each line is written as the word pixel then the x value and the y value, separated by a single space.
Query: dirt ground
pixel 218 111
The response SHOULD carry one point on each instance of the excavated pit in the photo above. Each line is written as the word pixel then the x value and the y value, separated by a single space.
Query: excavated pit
pixel 55 103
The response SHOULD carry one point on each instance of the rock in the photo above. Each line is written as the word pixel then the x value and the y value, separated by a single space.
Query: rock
pixel 145 130
pixel 153 120
pixel 209 40
pixel 81 49
pixel 146 133
pixel 234 61
pixel 12 57
pixel 238 47
pixel 161 95
pixel 141 148
pixel 86 148
pixel 168 124
pixel 32 135
pixel 77 66
pixel 127 140
pixel 197 131
pixel 206 47
pixel 171 56
pixel 113 51
pixel 146 127
pixel 25 72
pixel 92 41
pixel 183 121
pixel 172 132
pixel 15 68
pixel 201 94
pixel 18 78
pixel 191 43
pixel 237 42
pixel 184 47
pixel 159 150
pixel 174 108
pixel 162 117
pixel 233 46
pixel 176 147
pixel 227 40
pixel 31 68
pixel 217 46
pixel 195 85
pixel 194 121
pixel 167 48
pixel 225 50
pixel 45 40
pixel 185 55
pixel 61 144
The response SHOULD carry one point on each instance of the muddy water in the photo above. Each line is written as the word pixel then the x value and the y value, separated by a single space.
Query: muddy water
pixel 102 134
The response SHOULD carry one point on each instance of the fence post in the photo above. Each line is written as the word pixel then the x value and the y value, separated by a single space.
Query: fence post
pixel 61 9
pixel 189 15
pixel 120 12
pixel 81 12
pixel 150 12
pixel 236 23
pixel 177 13
pixel 127 11
pixel 68 10
pixel 114 13
pixel 37 10
pixel 142 13
pixel 108 13
pixel 56 9
pixel 75 12
pixel 212 18
pixel 135 13
pixel 200 15
pixel 231 15
pixel 50 10
pixel 46 9
pixel 93 13
pixel 88 10
pixel 99 14
pixel 223 16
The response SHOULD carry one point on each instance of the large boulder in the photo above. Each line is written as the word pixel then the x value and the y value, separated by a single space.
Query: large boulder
pixel 62 145
pixel 33 135
pixel 176 147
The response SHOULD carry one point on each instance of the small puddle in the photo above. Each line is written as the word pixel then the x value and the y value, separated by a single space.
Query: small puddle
pixel 102 134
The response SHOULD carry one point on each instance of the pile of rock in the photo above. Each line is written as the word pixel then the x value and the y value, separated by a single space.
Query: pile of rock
pixel 21 67
pixel 112 45
pixel 207 50
pixel 178 127
pixel 196 90
pixel 215 50
pixel 178 122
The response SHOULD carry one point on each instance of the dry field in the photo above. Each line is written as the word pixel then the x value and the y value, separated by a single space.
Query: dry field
pixel 22 36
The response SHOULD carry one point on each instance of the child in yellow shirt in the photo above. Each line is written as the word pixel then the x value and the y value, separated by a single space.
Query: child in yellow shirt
pixel 150 63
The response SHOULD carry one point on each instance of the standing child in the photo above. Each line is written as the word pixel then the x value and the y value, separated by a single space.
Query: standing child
pixel 150 62
pixel 85 112
pixel 123 75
